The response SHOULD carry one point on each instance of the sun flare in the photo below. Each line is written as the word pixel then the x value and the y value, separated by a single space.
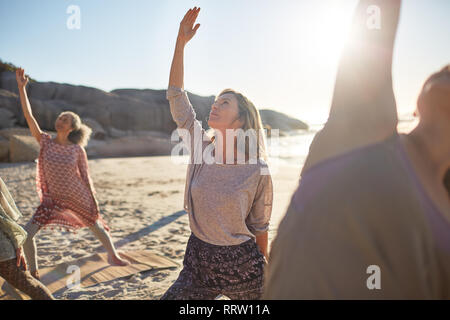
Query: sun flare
pixel 329 28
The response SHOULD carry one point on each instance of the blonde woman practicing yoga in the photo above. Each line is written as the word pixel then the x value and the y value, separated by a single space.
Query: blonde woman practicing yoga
pixel 229 202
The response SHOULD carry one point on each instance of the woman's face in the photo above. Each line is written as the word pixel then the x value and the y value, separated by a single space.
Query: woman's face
pixel 224 113
pixel 64 123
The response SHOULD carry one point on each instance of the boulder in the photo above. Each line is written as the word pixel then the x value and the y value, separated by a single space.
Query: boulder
pixel 4 149
pixel 7 119
pixel 97 130
pixel 154 134
pixel 130 146
pixel 16 131
pixel 10 101
pixel 116 133
pixel 46 112
pixel 23 148
pixel 117 112
pixel 278 120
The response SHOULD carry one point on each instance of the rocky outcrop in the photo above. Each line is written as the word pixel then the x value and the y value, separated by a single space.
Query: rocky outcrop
pixel 4 149
pixel 7 118
pixel 18 145
pixel 23 148
pixel 123 109
pixel 97 130
pixel 129 145
pixel 131 115
pixel 16 131
pixel 277 120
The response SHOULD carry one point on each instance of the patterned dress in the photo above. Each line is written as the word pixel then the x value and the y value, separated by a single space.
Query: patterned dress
pixel 64 187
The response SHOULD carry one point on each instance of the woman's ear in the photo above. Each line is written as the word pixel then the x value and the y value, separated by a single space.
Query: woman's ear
pixel 239 121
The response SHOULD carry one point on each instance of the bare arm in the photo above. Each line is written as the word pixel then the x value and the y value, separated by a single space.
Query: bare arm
pixel 22 81
pixel 363 109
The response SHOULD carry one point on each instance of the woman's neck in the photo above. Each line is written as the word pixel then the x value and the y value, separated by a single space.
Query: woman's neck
pixel 62 138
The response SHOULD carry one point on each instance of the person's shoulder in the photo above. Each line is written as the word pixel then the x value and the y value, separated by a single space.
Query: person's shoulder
pixel 79 148
pixel 45 136
pixel 335 141
pixel 45 139
pixel 261 163
pixel 262 168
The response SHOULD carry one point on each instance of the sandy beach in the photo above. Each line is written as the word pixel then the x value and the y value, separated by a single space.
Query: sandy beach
pixel 142 201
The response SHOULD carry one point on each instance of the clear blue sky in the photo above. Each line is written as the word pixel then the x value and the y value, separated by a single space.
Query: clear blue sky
pixel 281 54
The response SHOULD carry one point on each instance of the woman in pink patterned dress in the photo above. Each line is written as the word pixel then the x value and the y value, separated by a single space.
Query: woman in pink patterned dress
pixel 65 189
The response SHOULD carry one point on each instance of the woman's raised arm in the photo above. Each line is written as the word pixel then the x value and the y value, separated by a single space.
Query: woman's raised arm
pixel 22 81
pixel 189 128
pixel 363 109
pixel 185 33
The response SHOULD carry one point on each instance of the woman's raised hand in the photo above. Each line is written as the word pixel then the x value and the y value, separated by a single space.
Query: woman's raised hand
pixel 187 29
pixel 21 78
pixel 22 81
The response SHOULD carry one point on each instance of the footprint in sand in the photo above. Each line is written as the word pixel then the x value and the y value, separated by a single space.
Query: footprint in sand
pixel 176 231
pixel 159 276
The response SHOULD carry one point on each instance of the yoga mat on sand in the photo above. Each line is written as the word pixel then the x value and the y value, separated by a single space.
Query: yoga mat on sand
pixel 95 269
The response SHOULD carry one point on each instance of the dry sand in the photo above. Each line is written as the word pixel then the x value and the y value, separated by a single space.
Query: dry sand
pixel 142 201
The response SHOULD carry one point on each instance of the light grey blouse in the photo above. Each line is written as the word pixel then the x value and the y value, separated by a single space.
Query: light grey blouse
pixel 228 204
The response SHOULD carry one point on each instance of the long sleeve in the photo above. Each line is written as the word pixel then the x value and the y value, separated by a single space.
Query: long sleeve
pixel 260 213
pixel 189 128
pixel 9 214
pixel 15 233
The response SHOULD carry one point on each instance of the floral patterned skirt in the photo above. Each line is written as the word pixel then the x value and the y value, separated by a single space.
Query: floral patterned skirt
pixel 210 270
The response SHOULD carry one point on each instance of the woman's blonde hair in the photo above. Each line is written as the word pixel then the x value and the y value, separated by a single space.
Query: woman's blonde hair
pixel 81 132
pixel 251 118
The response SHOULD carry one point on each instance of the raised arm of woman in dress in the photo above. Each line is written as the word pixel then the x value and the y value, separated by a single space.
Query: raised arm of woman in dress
pixel 22 81
pixel 363 109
